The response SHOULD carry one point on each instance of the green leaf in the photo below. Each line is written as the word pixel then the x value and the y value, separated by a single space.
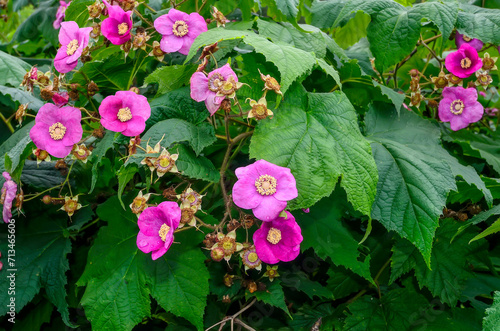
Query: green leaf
pixel 41 176
pixel 176 130
pixel 22 97
pixel 343 282
pixel 330 14
pixel 177 104
pixel 449 269
pixel 476 145
pixel 393 34
pixel 125 174
pixel 12 69
pixel 16 155
pixel 493 228
pixel 198 167
pixel 290 61
pixel 39 262
pixel 394 311
pixel 120 278
pixel 98 153
pixel 320 143
pixel 443 14
pixel 456 319
pixel 353 31
pixel 324 231
pixel 20 135
pixel 312 40
pixel 413 185
pixel 40 22
pixel 116 295
pixel 299 280
pixel 36 317
pixel 330 71
pixel 396 98
pixel 111 74
pixel 78 12
pixel 480 23
pixel 180 283
pixel 481 217
pixel 492 318
pixel 288 8
pixel 272 295
pixel 170 78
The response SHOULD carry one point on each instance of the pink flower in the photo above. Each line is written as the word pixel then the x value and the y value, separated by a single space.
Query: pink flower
pixel 60 99
pixel 205 88
pixel 460 107
pixel 464 62
pixel 61 11
pixel 8 195
pixel 491 111
pixel 156 228
pixel 118 25
pixel 73 40
pixel 265 188
pixel 278 240
pixel 461 39
pixel 179 30
pixel 57 129
pixel 125 112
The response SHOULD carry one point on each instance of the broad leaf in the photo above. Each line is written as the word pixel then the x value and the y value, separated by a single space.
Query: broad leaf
pixel 13 70
pixel 492 319
pixel 324 231
pixel 78 12
pixel 171 77
pixel 290 61
pixel 11 143
pixel 22 97
pixel 394 311
pixel 449 269
pixel 176 130
pixel 480 23
pixel 320 143
pixel 413 185
pixel 39 262
pixel 197 167
pixel 443 14
pixel 272 295
pixel 98 153
pixel 116 296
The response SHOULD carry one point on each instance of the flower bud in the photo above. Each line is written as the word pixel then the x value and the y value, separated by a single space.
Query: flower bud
pixel 47 199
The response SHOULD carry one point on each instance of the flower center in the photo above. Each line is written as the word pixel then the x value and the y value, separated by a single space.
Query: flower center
pixel 465 63
pixel 260 110
pixel 274 236
pixel 163 231
pixel 163 163
pixel 466 39
pixel 124 114
pixel 72 47
pixel 252 257
pixel 266 185
pixel 57 131
pixel 180 28
pixel 71 206
pixel 457 107
pixel 215 82
pixel 122 28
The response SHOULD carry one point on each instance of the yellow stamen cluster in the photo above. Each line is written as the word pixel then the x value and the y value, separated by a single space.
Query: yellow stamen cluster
pixel 274 236
pixel 57 131
pixel 266 185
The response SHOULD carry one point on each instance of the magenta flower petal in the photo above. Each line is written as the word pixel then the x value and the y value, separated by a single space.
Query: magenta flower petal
pixel 60 99
pixel 56 130
pixel 460 107
pixel 213 103
pixel 73 40
pixel 8 194
pixel 136 124
pixel 199 90
pixel 116 28
pixel 125 112
pixel 258 186
pixel 464 62
pixel 244 194
pixel 147 244
pixel 179 30
pixel 170 44
pixel 156 228
pixel 278 240
pixel 225 71
pixel 61 12
pixel 269 208
pixel 460 39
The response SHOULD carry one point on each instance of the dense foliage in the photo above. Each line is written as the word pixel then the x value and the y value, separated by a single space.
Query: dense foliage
pixel 272 164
